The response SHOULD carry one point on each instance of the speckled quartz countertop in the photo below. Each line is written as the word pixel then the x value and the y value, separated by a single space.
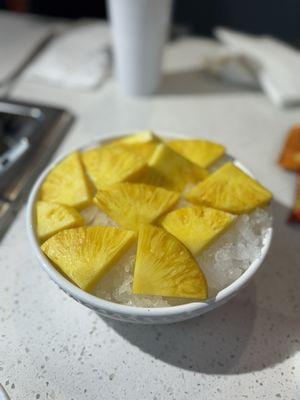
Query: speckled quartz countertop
pixel 54 348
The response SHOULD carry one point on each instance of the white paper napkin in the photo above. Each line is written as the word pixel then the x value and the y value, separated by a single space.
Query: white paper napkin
pixel 273 63
pixel 20 38
pixel 79 58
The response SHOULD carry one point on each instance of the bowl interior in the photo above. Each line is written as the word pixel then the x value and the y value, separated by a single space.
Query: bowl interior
pixel 111 307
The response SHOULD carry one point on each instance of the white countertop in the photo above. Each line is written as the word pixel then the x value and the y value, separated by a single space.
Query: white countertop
pixel 54 348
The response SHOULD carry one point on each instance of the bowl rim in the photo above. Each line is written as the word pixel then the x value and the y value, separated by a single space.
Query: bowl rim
pixel 122 309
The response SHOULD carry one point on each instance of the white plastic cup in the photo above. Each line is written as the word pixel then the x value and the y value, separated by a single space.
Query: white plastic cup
pixel 139 31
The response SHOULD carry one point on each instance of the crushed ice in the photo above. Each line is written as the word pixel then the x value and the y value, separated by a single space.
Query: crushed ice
pixel 222 263
pixel 229 256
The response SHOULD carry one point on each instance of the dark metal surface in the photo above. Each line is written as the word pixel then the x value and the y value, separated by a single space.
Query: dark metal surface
pixel 29 134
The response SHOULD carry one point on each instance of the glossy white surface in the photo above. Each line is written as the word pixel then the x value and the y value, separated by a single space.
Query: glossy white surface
pixel 3 394
pixel 139 30
pixel 53 348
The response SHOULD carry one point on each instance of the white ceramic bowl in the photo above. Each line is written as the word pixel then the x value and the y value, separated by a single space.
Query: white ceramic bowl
pixel 128 313
pixel 3 394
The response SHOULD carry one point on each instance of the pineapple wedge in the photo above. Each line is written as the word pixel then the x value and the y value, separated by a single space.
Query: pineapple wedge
pixel 230 189
pixel 151 176
pixel 111 164
pixel 86 254
pixel 142 144
pixel 144 150
pixel 201 152
pixel 164 267
pixel 67 184
pixel 133 204
pixel 176 168
pixel 52 218
pixel 139 137
pixel 197 227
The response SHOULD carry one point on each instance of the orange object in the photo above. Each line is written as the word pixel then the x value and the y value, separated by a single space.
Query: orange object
pixel 290 157
pixel 18 5
pixel 295 214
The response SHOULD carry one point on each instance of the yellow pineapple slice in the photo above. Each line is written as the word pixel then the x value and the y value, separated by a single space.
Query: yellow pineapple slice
pixel 52 218
pixel 230 189
pixel 151 176
pixel 67 184
pixel 176 168
pixel 197 227
pixel 202 152
pixel 111 164
pixel 133 204
pixel 142 143
pixel 86 254
pixel 164 267
pixel 139 137
pixel 144 150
